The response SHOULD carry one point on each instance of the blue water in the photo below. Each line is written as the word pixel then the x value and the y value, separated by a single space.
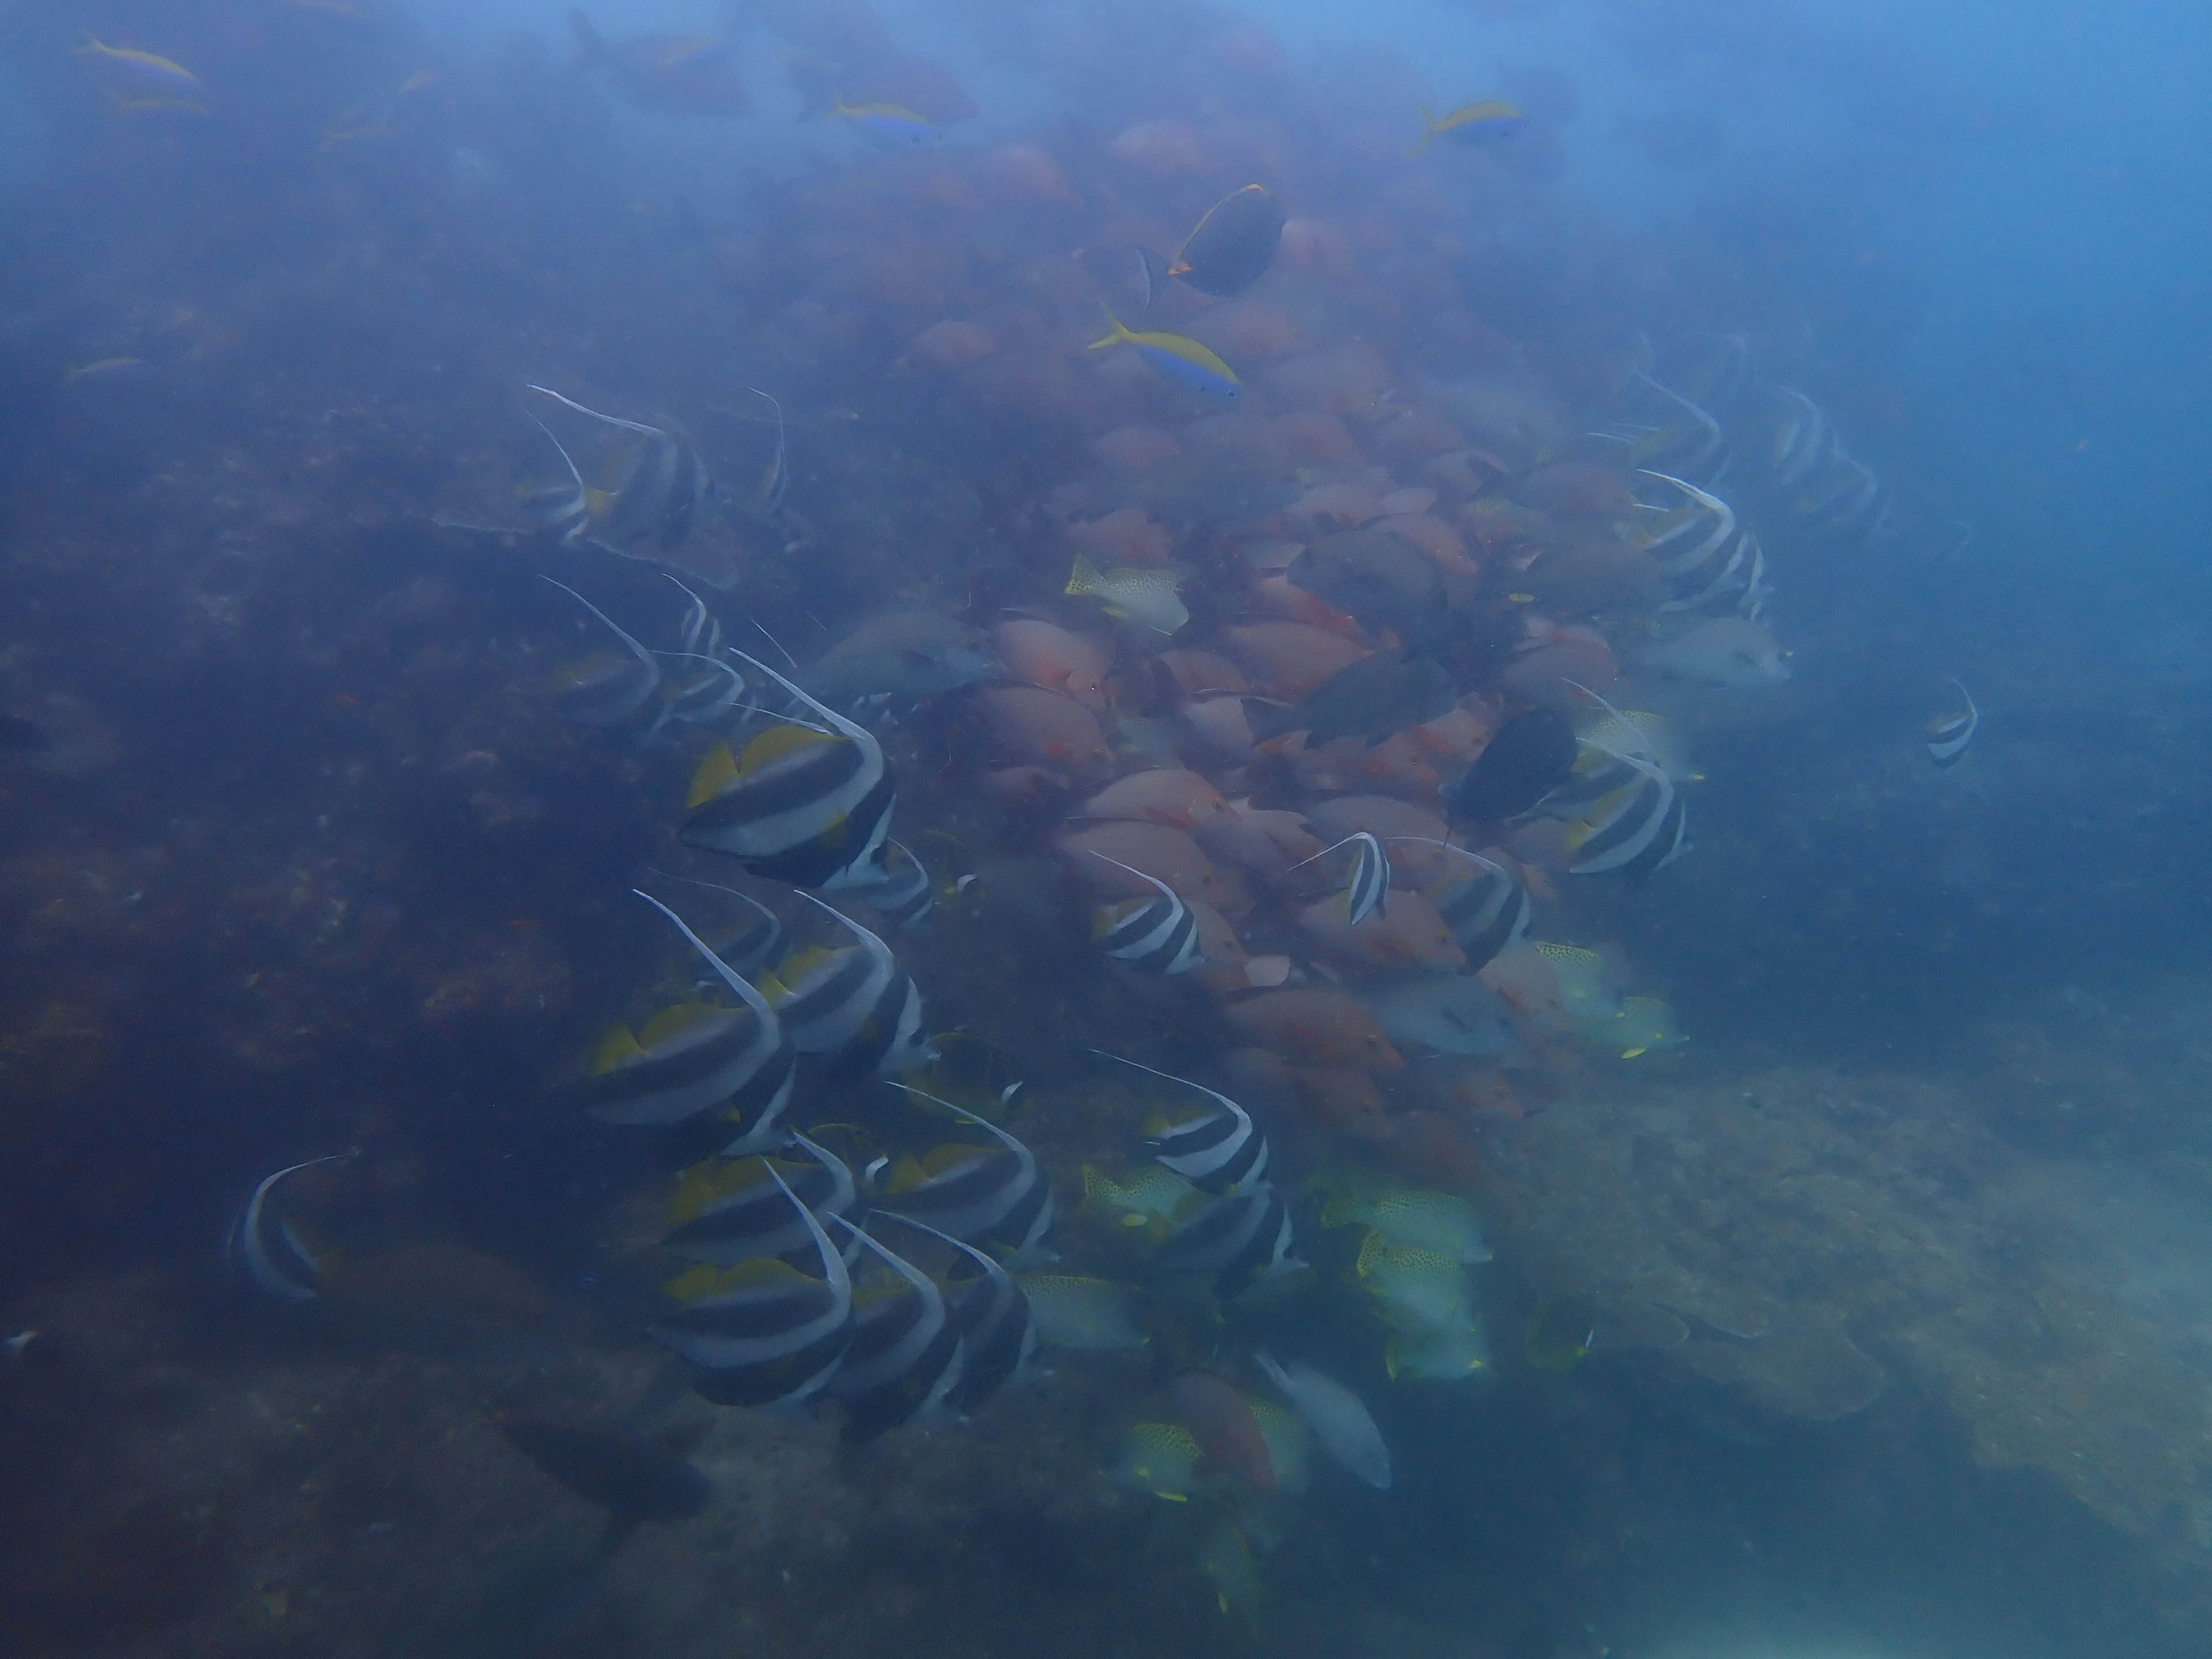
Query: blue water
pixel 1840 1166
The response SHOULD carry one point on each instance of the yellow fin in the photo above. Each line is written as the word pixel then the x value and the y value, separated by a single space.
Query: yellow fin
pixel 1084 578
pixel 703 1184
pixel 1120 333
pixel 707 1280
pixel 673 1022
pixel 950 1156
pixel 778 741
pixel 716 774
pixel 905 1175
pixel 616 1046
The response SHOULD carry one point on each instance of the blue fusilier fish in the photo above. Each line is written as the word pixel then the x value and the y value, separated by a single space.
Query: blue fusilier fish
pixel 1950 734
pixel 905 894
pixel 1220 1151
pixel 729 1211
pixel 1243 1240
pixel 989 1195
pixel 1177 356
pixel 1159 934
pixel 1367 890
pixel 607 690
pixel 907 1354
pixel 716 1079
pixel 809 805
pixel 855 1005
pixel 992 1312
pixel 1486 912
pixel 263 1246
pixel 762 1332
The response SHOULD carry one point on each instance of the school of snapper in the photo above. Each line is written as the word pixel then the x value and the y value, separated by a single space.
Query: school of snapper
pixel 1317 695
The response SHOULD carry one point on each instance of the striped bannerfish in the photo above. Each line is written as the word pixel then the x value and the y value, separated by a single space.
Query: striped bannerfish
pixel 1620 829
pixel 1159 934
pixel 729 1211
pixel 804 805
pixel 1487 912
pixel 762 1332
pixel 1221 1152
pixel 1679 548
pixel 855 1005
pixel 715 1078
pixel 907 1354
pixel 746 943
pixel 606 690
pixel 655 490
pixel 1243 1239
pixel 1368 888
pixel 275 1261
pixel 992 1313
pixel 1950 734
pixel 905 894
pixel 994 1195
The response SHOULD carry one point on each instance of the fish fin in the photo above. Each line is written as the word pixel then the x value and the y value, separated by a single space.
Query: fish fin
pixel 904 1174
pixel 716 773
pixel 801 963
pixel 1430 132
pixel 778 741
pixel 683 1017
pixel 616 1046
pixel 1083 577
pixel 1121 330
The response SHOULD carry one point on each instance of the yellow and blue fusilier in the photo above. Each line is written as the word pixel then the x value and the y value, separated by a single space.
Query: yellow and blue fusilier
pixel 761 1333
pixel 996 1196
pixel 805 803
pixel 856 1005
pixel 893 126
pixel 1186 361
pixel 1222 1152
pixel 1159 934
pixel 1476 123
pixel 907 1354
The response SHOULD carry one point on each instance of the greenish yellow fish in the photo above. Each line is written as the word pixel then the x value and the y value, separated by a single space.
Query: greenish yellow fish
pixel 1646 1025
pixel 1147 597
pixel 1410 1218
pixel 1226 1559
pixel 1451 1355
pixel 1151 1193
pixel 108 368
pixel 1290 1442
pixel 1414 1291
pixel 1073 1312
pixel 1159 1458
pixel 1559 1333
pixel 1586 979
pixel 147 67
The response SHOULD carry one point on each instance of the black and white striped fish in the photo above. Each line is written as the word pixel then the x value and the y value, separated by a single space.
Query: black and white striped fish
pixel 805 804
pixel 1948 734
pixel 1487 911
pixel 730 1210
pixel 856 1005
pixel 905 894
pixel 1218 1152
pixel 606 690
pixel 1244 1239
pixel 1159 934
pixel 761 1333
pixel 714 1079
pixel 988 1196
pixel 907 1354
pixel 745 944
pixel 992 1312
pixel 1367 888
pixel 655 490
pixel 265 1247
pixel 1620 828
